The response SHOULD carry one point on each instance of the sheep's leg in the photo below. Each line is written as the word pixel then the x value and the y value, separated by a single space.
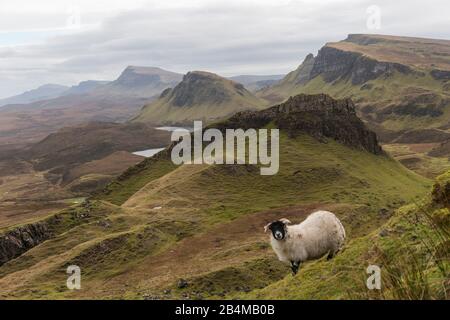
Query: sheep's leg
pixel 294 267
pixel 331 255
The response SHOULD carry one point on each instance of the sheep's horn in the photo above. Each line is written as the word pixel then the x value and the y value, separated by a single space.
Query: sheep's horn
pixel 267 227
pixel 286 221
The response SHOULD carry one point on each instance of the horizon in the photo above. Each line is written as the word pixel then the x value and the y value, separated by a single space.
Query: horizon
pixel 67 42
pixel 224 76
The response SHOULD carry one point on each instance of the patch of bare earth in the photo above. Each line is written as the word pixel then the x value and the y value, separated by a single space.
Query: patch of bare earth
pixel 229 244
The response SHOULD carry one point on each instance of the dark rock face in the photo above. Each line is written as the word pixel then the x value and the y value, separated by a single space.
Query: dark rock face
pixel 440 74
pixel 304 71
pixel 20 240
pixel 317 115
pixel 440 193
pixel 182 284
pixel 427 104
pixel 334 64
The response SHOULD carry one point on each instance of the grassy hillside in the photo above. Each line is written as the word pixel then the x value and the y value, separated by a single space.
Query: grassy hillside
pixel 399 84
pixel 204 224
pixel 412 249
pixel 379 100
pixel 200 96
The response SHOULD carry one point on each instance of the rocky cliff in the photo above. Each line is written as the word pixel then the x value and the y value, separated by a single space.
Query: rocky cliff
pixel 334 64
pixel 16 241
pixel 317 115
pixel 398 84
pixel 21 239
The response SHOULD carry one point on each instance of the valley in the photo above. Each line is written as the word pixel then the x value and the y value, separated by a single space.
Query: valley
pixel 87 179
pixel 144 232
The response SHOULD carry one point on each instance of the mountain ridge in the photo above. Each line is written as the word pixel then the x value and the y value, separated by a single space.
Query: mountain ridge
pixel 200 95
pixel 44 92
pixel 392 94
pixel 112 101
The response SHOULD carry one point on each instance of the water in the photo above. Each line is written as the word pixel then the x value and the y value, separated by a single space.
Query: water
pixel 151 152
pixel 174 128
pixel 148 153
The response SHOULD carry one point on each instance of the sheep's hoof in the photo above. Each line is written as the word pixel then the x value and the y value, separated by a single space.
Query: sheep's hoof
pixel 294 268
pixel 331 255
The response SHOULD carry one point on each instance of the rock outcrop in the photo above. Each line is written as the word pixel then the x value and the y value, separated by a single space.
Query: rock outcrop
pixel 317 115
pixel 334 64
pixel 440 193
pixel 21 239
pixel 440 74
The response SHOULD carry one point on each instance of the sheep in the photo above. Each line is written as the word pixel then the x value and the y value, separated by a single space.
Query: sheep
pixel 320 233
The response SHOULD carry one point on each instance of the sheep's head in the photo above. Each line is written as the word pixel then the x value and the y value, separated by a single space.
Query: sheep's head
pixel 278 228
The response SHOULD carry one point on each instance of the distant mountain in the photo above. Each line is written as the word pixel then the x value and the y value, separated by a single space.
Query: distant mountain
pixel 140 82
pixel 398 84
pixel 115 101
pixel 200 96
pixel 47 91
pixel 254 83
pixel 85 87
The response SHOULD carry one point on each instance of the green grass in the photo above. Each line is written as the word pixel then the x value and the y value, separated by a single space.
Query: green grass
pixel 115 242
pixel 134 179
pixel 384 91
pixel 249 276
pixel 404 249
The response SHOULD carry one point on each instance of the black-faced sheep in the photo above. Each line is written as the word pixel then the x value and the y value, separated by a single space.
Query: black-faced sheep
pixel 319 234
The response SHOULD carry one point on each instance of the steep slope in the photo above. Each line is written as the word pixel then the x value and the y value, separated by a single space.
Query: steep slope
pixel 399 84
pixel 204 223
pixel 45 92
pixel 412 248
pixel 200 96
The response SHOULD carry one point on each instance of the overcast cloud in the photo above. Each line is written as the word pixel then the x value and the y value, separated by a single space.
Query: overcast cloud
pixel 64 42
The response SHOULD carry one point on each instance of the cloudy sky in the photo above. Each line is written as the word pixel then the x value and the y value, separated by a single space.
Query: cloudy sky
pixel 64 42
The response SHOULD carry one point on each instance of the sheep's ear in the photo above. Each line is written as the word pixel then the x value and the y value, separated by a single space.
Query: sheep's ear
pixel 267 227
pixel 285 221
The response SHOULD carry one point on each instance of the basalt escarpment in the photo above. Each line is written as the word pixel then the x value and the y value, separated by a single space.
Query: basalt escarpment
pixel 334 64
pixel 16 241
pixel 398 84
pixel 317 115
pixel 21 239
